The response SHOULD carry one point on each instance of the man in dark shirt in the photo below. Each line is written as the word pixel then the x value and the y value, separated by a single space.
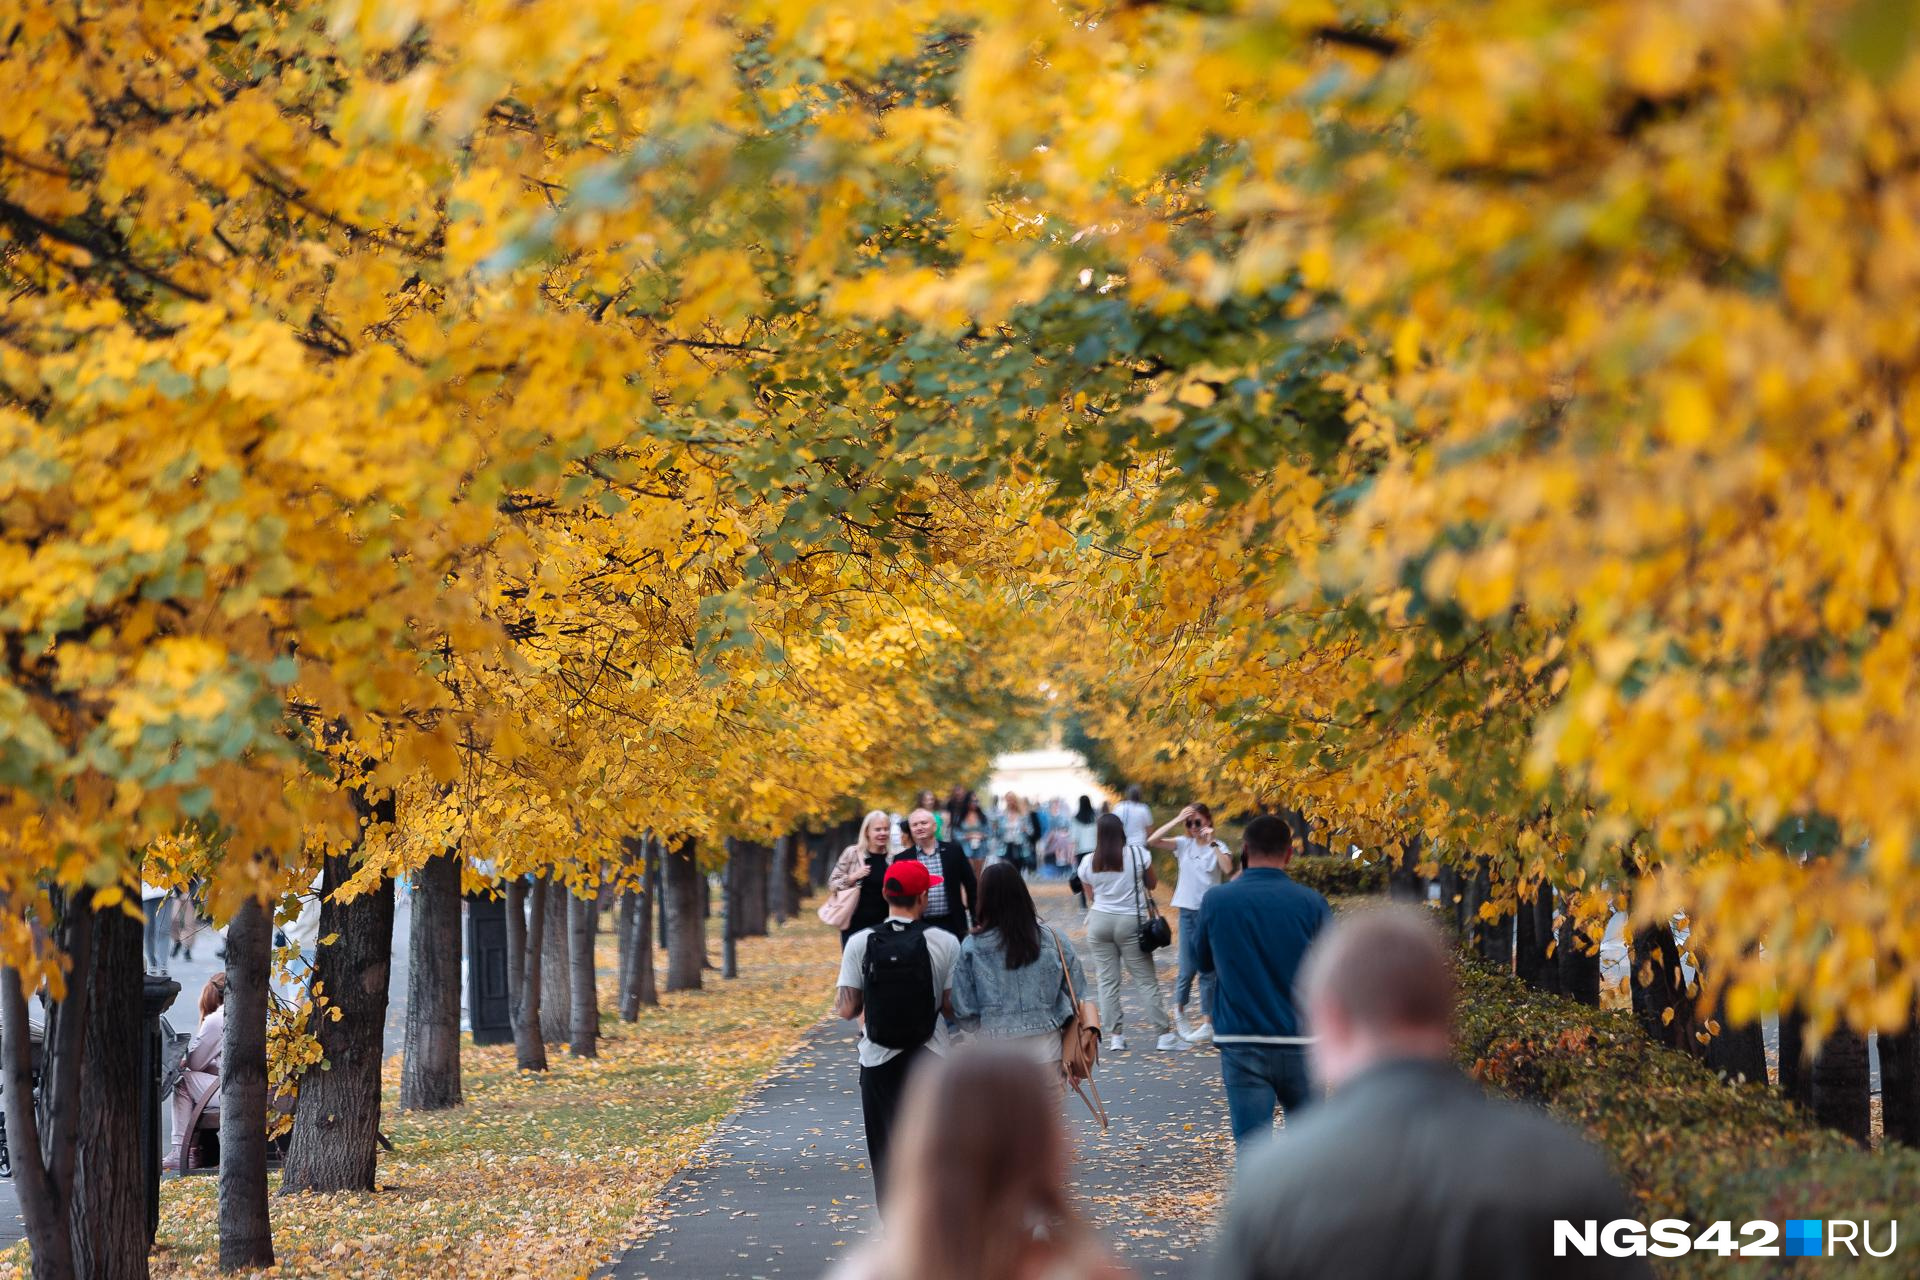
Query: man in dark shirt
pixel 1408 1171
pixel 949 905
pixel 1254 932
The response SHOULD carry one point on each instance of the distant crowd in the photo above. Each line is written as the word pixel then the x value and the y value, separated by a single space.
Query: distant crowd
pixel 974 1028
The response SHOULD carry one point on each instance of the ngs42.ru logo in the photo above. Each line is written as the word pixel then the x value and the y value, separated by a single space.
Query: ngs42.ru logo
pixel 1673 1238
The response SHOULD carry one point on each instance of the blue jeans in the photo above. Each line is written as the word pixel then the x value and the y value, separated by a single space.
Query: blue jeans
pixel 1190 965
pixel 1259 1076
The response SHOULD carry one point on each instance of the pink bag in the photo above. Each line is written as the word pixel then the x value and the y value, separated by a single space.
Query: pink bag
pixel 837 910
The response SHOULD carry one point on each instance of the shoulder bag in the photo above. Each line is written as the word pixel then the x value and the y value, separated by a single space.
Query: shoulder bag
pixel 1080 1041
pixel 840 905
pixel 1155 932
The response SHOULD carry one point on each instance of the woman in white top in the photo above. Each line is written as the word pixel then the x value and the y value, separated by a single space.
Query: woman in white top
pixel 1204 863
pixel 1115 878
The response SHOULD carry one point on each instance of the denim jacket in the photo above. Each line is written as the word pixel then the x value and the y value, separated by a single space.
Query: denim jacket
pixel 999 1002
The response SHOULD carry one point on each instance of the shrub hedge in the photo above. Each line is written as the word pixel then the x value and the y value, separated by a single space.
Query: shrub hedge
pixel 1337 877
pixel 1692 1146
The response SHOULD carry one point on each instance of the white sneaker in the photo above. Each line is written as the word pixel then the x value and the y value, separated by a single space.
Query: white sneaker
pixel 1181 1027
pixel 1117 1044
pixel 1202 1034
pixel 1169 1042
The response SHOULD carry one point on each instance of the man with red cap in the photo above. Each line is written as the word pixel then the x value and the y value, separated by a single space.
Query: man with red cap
pixel 895 977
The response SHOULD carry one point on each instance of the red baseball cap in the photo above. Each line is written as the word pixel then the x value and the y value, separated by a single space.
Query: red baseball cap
pixel 908 879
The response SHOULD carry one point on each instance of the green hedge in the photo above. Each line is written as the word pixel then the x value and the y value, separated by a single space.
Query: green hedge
pixel 1337 877
pixel 1691 1146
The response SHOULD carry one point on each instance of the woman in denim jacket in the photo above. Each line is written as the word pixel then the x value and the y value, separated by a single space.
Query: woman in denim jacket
pixel 1007 984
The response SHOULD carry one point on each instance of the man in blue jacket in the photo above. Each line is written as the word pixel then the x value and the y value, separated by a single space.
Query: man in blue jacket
pixel 1254 933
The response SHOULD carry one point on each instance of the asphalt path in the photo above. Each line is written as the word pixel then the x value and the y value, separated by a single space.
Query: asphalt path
pixel 782 1188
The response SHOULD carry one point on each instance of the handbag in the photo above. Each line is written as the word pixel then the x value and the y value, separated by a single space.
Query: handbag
pixel 1080 1042
pixel 1155 932
pixel 840 905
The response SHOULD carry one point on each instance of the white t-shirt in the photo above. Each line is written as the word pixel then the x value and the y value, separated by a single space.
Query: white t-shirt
pixel 942 948
pixel 1118 892
pixel 1199 871
pixel 1136 818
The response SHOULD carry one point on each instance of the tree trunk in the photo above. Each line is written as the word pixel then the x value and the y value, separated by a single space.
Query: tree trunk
pixel 1900 1084
pixel 1577 959
pixel 556 970
pixel 336 1123
pixel 1796 1080
pixel 686 924
pixel 44 1140
pixel 637 988
pixel 1453 893
pixel 1531 941
pixel 657 887
pixel 584 1037
pixel 1842 1086
pixel 430 1069
pixel 623 933
pixel 1661 1001
pixel 730 912
pixel 1404 882
pixel 108 1225
pixel 1491 940
pixel 526 929
pixel 246 1228
pixel 782 901
pixel 1738 1053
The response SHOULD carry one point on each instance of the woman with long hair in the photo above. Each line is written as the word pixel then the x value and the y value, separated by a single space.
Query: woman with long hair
pixel 1115 879
pixel 1010 983
pixel 1014 837
pixel 863 863
pixel 974 834
pixel 1204 862
pixel 978 1190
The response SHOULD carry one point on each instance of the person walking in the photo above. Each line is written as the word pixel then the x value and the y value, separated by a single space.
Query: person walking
pixel 1083 827
pixel 1471 1186
pixel 154 902
pixel 1015 837
pixel 1115 879
pixel 1254 934
pixel 974 834
pixel 1203 863
pixel 950 903
pixel 1010 984
pixel 981 1188
pixel 1133 812
pixel 861 865
pixel 895 977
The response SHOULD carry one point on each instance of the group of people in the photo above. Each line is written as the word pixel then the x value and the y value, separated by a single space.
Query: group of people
pixel 1344 1028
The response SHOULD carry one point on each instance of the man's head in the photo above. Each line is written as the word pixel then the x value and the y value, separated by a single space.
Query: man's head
pixel 1378 985
pixel 920 825
pixel 905 888
pixel 1268 842
pixel 1133 794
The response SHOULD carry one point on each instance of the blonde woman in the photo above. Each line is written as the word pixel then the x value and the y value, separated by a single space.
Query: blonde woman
pixel 861 865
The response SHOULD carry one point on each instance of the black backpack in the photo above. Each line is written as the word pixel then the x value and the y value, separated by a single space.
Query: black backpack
pixel 898 971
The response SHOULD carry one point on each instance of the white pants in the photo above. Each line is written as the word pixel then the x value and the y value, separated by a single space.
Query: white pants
pixel 1115 942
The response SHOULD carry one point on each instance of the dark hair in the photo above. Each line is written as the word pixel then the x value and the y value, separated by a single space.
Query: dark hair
pixel 1085 812
pixel 1133 792
pixel 1005 904
pixel 901 900
pixel 1109 842
pixel 972 807
pixel 1267 837
pixel 1200 808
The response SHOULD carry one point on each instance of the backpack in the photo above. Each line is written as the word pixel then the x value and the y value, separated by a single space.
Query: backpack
pixel 898 973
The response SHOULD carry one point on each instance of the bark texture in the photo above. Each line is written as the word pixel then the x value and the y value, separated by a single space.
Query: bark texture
pixel 583 923
pixel 336 1123
pixel 108 1225
pixel 526 929
pixel 246 1229
pixel 430 1066
pixel 1841 1085
pixel 1578 961
pixel 556 968
pixel 686 923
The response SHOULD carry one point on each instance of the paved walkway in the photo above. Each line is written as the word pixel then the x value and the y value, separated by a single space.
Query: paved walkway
pixel 782 1188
